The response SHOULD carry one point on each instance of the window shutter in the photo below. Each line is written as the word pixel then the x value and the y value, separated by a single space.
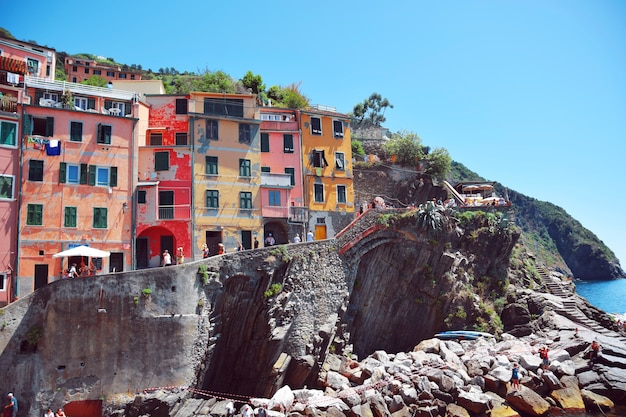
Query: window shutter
pixel 98 133
pixel 38 96
pixel 108 104
pixel 27 127
pixel 83 173
pixel 113 179
pixel 91 103
pixel 92 175
pixel 62 170
pixel 49 126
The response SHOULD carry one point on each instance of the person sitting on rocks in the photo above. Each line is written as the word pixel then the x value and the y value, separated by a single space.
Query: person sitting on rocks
pixel 594 351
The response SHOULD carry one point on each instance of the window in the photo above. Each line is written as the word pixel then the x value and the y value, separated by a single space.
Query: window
pixel 69 219
pixel 166 204
pixel 6 186
pixel 102 176
pixel 265 142
pixel 141 196
pixel 244 133
pixel 81 103
pixel 43 126
pixel 212 199
pixel 212 129
pixel 34 214
pixel 181 106
pixel 245 200
pixel 340 161
pixel 115 105
pixel 224 107
pixel 76 131
pixel 244 168
pixel 292 174
pixel 316 126
pixel 35 170
pixel 110 74
pixel 33 66
pixel 181 139
pixel 97 72
pixel 99 217
pixel 156 139
pixel 8 133
pixel 274 197
pixel 341 194
pixel 123 76
pixel 86 70
pixel 337 128
pixel 132 76
pixel 51 96
pixel 287 143
pixel 3 282
pixel 211 165
pixel 319 192
pixel 266 169
pixel 74 68
pixel 161 161
pixel 319 160
pixel 104 134
pixel 69 173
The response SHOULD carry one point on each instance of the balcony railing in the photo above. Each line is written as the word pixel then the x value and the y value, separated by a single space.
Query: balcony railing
pixel 269 179
pixel 81 89
pixel 177 212
pixel 298 214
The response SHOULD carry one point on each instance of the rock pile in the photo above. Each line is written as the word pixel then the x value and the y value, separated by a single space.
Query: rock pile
pixel 448 378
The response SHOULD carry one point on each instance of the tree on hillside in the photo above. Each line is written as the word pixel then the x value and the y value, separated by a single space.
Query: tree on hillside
pixel 6 34
pixel 288 97
pixel 371 111
pixel 253 82
pixel 406 146
pixel 96 80
pixel 438 163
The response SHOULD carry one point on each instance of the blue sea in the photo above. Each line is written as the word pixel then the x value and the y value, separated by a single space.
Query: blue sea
pixel 609 296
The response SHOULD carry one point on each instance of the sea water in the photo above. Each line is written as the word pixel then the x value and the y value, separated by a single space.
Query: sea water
pixel 609 296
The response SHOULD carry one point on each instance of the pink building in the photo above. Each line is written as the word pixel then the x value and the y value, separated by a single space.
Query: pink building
pixel 283 208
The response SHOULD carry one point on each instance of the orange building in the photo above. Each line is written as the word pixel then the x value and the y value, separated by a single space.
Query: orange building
pixel 327 166
pixel 77 169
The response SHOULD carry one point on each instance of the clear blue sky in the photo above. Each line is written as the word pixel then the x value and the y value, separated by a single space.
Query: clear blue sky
pixel 528 93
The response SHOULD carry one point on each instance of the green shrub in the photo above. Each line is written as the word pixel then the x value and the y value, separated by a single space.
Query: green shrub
pixel 146 292
pixel 204 273
pixel 273 290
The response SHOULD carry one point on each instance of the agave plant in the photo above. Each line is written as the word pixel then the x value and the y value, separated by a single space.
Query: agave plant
pixel 431 218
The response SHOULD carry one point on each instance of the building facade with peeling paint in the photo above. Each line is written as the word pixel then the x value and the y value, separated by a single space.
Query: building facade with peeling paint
pixel 163 196
pixel 327 170
pixel 78 148
pixel 225 136
pixel 283 210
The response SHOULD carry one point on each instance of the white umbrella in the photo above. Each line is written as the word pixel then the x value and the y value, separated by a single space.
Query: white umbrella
pixel 83 251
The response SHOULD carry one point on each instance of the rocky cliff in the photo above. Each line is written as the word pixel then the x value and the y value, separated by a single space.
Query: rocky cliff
pixel 269 318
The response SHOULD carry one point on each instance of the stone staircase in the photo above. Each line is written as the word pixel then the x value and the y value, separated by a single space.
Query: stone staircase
pixel 570 309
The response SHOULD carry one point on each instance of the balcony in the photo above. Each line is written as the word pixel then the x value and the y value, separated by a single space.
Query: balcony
pixel 298 214
pixel 80 89
pixel 269 179
pixel 280 126
pixel 176 212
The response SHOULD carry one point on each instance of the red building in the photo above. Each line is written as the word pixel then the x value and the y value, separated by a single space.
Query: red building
pixel 80 69
pixel 163 194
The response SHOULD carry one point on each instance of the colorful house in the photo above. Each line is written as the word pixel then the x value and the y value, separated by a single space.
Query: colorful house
pixel 17 60
pixel 80 69
pixel 327 165
pixel 77 171
pixel 163 195
pixel 225 132
pixel 282 202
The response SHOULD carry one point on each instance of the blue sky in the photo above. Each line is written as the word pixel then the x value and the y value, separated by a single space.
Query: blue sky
pixel 528 93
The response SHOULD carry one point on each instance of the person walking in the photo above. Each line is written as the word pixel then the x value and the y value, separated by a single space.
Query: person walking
pixel 297 239
pixel 180 257
pixel 309 236
pixel 269 240
pixel 167 258
pixel 256 243
pixel 12 405
pixel 205 251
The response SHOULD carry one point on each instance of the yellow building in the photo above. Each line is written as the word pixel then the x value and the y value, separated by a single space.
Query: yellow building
pixel 327 166
pixel 225 135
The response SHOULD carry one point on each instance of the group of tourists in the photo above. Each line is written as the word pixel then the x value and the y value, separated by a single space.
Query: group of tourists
pixel 83 271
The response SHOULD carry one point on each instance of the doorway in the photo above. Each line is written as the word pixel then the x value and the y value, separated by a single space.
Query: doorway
pixel 167 242
pixel 246 239
pixel 116 262
pixel 41 275
pixel 320 231
pixel 142 252
pixel 212 239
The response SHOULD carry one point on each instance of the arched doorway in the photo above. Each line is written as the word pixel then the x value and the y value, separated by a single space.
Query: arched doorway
pixel 151 243
pixel 279 231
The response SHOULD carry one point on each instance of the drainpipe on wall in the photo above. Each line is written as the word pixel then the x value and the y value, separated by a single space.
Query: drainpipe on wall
pixel 133 205
pixel 193 189
pixel 14 281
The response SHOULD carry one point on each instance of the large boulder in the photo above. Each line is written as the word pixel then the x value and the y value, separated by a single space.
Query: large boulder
pixel 527 401
pixel 595 401
pixel 569 399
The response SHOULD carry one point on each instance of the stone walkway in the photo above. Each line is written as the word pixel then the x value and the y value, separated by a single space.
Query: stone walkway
pixel 570 309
